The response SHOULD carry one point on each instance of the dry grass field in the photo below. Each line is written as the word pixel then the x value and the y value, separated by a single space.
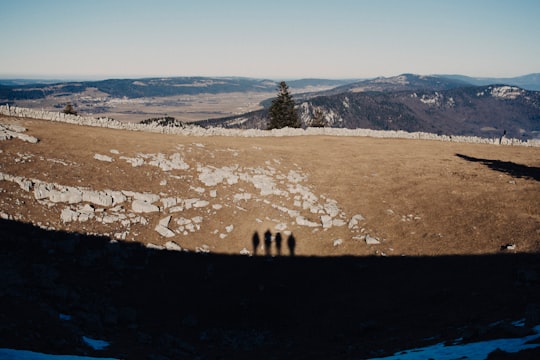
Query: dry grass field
pixel 416 197
pixel 456 226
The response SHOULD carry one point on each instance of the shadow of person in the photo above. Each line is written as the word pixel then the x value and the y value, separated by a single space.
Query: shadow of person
pixel 291 243
pixel 255 241
pixel 278 243
pixel 267 242
pixel 513 169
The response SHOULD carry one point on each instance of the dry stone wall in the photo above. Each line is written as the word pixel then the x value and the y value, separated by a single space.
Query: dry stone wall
pixel 198 131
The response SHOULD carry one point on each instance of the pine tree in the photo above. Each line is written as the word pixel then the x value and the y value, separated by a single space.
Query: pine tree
pixel 282 112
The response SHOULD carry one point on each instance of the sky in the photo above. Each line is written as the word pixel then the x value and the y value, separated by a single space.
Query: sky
pixel 274 39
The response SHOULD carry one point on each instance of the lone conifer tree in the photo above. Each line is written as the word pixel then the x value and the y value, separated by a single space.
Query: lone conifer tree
pixel 282 113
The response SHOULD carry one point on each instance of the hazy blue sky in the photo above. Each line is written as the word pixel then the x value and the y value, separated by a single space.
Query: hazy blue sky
pixel 277 39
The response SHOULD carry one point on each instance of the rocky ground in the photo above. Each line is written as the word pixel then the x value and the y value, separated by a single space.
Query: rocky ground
pixel 388 233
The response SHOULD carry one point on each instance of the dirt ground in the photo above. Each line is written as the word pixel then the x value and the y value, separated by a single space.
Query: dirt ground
pixel 416 197
pixel 443 213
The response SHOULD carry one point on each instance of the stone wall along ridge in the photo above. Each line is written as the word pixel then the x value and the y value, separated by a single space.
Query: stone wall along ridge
pixel 199 131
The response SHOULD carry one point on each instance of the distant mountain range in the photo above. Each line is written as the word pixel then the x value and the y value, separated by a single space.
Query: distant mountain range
pixel 445 104
pixel 528 82
pixel 416 103
pixel 11 90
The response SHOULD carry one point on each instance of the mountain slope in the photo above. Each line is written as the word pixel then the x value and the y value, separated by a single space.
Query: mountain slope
pixel 485 111
pixel 528 82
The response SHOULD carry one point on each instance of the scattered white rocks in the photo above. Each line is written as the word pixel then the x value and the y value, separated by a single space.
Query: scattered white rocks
pixel 173 162
pixel 171 245
pixel 337 242
pixel 164 231
pixel 10 131
pixel 211 176
pixel 103 198
pixel 242 197
pixel 154 246
pixel 169 202
pixel 338 222
pixel 353 223
pixel 205 249
pixel 410 217
pixel 135 162
pixel 326 221
pixel 104 158
pixel 201 203
pixel 163 227
pixel 68 215
pixel 141 206
pixel 370 240
pixel 283 191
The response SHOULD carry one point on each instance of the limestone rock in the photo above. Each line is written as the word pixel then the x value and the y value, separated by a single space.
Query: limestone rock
pixel 331 208
pixel 147 197
pixel 169 202
pixel 326 221
pixel 41 190
pixel 68 215
pixel 212 176
pixel 353 223
pixel 97 197
pixel 338 222
pixel 164 231
pixel 200 203
pixel 66 194
pixel 140 206
pixel 104 158
pixel 25 184
pixel 171 245
pixel 165 221
pixel 370 240
pixel 337 242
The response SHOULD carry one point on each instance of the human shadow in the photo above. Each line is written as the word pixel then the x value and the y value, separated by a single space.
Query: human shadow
pixel 278 239
pixel 291 244
pixel 56 287
pixel 267 243
pixel 507 167
pixel 255 241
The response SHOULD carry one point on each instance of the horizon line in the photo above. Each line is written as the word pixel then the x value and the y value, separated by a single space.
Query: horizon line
pixel 97 77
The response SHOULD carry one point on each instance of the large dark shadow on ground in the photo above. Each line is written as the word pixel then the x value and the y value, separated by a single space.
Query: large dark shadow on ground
pixel 150 304
pixel 507 167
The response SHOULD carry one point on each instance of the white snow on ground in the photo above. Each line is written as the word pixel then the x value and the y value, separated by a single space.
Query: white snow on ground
pixel 10 354
pixel 477 350
pixel 95 344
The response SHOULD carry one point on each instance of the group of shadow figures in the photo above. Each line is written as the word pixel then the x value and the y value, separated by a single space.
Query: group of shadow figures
pixel 278 239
